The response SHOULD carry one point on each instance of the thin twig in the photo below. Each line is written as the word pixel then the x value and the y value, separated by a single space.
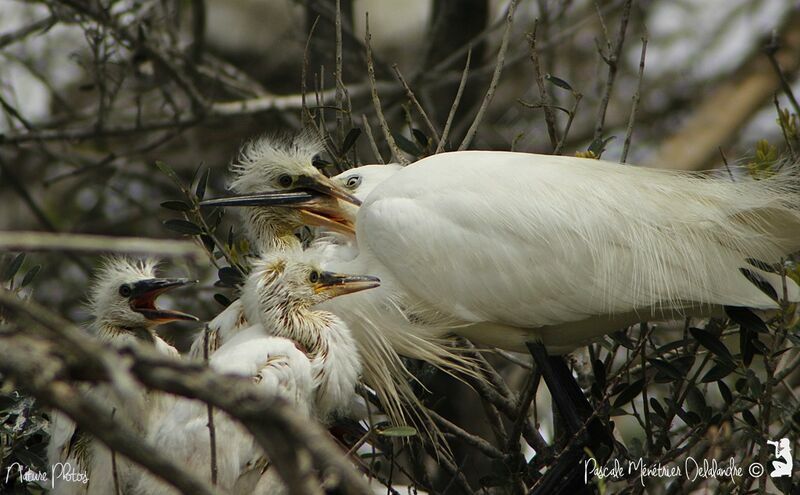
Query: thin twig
pixel 114 471
pixel 770 50
pixel 635 105
pixel 212 432
pixel 396 153
pixel 544 95
pixel 338 71
pixel 371 138
pixel 613 64
pixel 498 69
pixel 528 392
pixel 416 103
pixel 456 101
pixel 782 123
pixel 568 126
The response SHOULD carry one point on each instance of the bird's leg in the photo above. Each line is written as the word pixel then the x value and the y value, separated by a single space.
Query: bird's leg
pixel 562 477
pixel 561 385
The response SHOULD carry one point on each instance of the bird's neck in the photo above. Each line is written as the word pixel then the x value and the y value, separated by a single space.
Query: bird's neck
pixel 301 324
pixel 268 233
pixel 108 331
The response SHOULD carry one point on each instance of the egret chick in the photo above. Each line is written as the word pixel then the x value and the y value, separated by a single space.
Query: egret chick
pixel 123 303
pixel 310 358
pixel 275 366
pixel 277 164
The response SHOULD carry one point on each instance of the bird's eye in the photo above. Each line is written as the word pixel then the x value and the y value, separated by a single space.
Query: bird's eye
pixel 285 180
pixel 125 290
pixel 353 182
pixel 313 277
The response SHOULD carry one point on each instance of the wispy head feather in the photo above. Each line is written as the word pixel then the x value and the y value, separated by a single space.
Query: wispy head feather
pixel 262 160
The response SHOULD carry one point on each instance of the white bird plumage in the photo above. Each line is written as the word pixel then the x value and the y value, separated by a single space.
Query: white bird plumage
pixel 292 349
pixel 122 302
pixel 507 248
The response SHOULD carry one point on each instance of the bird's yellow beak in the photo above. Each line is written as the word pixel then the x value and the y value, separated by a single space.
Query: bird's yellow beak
pixel 143 295
pixel 335 284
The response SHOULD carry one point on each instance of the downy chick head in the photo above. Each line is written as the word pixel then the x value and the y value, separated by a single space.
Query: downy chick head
pixel 280 190
pixel 284 286
pixel 281 292
pixel 124 292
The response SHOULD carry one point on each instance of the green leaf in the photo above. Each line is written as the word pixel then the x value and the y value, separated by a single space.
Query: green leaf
pixel 713 344
pixel 28 278
pixel 406 145
pixel 666 368
pixel 350 139
pixel 749 418
pixel 202 183
pixel 598 146
pixel 176 205
pixel 690 418
pixel 599 370
pixel 725 392
pixel 398 431
pixel 222 300
pixel 230 276
pixel 718 372
pixel 657 407
pixel 629 393
pixel 12 267
pixel 183 227
pixel 745 318
pixel 421 138
pixel 622 339
pixel 167 170
pixel 557 82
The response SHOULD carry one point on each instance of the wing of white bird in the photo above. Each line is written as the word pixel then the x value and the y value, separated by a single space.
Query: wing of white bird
pixel 526 241
pixel 224 326
pixel 277 366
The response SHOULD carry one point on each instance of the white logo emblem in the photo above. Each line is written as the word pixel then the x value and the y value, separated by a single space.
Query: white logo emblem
pixel 782 466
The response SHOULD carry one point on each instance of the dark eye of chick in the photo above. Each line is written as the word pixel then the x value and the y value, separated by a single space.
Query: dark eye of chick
pixel 313 277
pixel 285 180
pixel 125 290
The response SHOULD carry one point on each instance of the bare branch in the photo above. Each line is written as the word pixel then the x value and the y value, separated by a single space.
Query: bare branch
pixel 612 59
pixel 87 243
pixel 635 105
pixel 454 107
pixel 396 153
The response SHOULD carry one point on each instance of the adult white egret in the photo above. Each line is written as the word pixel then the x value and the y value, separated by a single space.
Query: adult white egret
pixel 519 250
pixel 309 357
pixel 511 248
pixel 122 302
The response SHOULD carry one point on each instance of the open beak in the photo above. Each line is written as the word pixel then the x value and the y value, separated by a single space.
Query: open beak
pixel 145 292
pixel 335 284
pixel 319 206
